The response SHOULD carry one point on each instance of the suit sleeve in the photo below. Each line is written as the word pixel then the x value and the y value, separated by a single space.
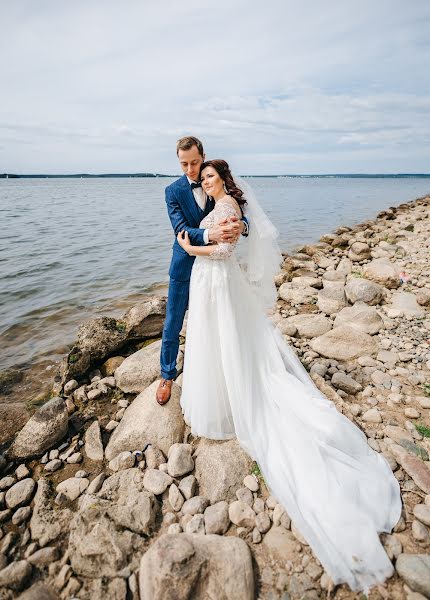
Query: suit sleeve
pixel 246 230
pixel 179 222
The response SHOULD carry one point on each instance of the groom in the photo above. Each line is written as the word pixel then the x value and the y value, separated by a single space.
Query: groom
pixel 187 205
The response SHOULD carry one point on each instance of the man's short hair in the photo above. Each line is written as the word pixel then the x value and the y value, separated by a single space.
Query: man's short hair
pixel 186 143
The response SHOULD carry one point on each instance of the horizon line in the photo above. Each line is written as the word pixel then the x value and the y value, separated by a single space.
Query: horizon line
pixel 8 175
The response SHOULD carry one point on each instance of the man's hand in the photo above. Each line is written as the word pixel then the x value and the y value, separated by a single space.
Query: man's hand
pixel 227 230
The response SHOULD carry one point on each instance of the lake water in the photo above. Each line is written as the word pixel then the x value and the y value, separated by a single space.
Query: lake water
pixel 72 249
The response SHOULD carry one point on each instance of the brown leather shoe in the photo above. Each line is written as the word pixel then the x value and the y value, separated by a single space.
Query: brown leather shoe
pixel 164 391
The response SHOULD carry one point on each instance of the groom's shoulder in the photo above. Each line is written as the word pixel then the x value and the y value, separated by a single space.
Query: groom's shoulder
pixel 176 185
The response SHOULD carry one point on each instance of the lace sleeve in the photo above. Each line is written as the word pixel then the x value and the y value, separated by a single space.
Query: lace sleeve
pixel 223 250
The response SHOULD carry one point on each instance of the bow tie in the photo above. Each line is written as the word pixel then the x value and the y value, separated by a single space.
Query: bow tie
pixel 196 185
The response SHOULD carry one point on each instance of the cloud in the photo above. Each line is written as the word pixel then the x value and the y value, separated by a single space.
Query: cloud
pixel 278 87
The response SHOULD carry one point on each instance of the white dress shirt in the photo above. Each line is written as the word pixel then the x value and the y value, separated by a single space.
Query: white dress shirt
pixel 201 198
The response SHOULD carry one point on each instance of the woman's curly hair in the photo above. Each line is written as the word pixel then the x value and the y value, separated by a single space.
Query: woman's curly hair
pixel 223 170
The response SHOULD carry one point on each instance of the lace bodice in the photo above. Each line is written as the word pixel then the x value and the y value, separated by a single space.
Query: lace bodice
pixel 221 211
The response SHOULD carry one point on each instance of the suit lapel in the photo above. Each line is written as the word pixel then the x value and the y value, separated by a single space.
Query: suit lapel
pixel 190 201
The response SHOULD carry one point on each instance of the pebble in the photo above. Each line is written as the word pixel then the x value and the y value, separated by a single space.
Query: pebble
pixel 422 513
pixel 156 482
pixel 251 482
pixel 53 465
pixel 196 525
pixel 419 531
pixel 411 413
pixel 21 493
pixel 176 499
pixel 22 472
pixel 372 416
pixel 262 522
pixel 175 528
pixel 75 458
pixel 216 517
pixel 111 425
pixel 197 504
pixel 188 486
pixel 16 574
pixel 6 482
pixel 21 515
pixel 241 514
pixel 124 460
pixel 245 495
pixel 72 487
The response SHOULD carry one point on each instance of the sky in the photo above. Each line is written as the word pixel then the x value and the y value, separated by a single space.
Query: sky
pixel 273 87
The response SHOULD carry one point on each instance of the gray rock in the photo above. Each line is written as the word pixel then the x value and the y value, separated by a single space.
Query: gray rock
pixel 75 458
pixel 47 524
pixel 331 299
pixel 196 525
pixel 176 499
pixel 296 295
pixel 251 482
pixel 414 569
pixel 146 319
pixel 123 460
pixel 345 382
pixel 73 487
pixel 39 591
pixel 15 575
pixel 361 317
pixel 44 556
pixel 195 505
pixel 363 290
pixel 180 461
pixel 245 495
pixel 188 486
pixel 7 482
pixel 141 368
pixel 46 427
pixel 344 343
pixel 383 271
pixel 372 416
pixel 156 481
pixel 216 518
pixel 154 457
pixel 96 483
pixel 280 543
pixel 21 515
pixel 422 513
pixel 189 566
pixel 241 514
pixel 93 442
pixel 310 326
pixel 262 522
pixel 21 493
pixel 406 303
pixel 220 467
pixel 22 472
pixel 129 504
pixel 13 416
pixel 413 466
pixel 146 422
pixel 359 251
pixel 70 387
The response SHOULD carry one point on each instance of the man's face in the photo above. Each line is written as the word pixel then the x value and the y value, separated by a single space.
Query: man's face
pixel 190 161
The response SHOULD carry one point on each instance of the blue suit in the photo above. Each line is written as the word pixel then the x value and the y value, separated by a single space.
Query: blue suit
pixel 185 214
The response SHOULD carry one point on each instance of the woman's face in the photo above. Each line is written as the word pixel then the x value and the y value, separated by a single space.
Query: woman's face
pixel 212 183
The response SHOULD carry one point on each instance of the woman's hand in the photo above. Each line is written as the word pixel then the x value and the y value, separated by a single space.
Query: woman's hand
pixel 184 241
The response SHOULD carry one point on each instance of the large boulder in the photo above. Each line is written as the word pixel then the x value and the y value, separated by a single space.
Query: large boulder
pixel 344 343
pixel 99 338
pixel 220 468
pixel 99 544
pixel 183 566
pixel 363 290
pixel 141 368
pixel 361 317
pixel 310 326
pixel 146 422
pixel 406 303
pixel 146 319
pixel 383 271
pixel 46 427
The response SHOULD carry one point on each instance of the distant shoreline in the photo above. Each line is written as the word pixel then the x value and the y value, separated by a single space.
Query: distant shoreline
pixel 156 175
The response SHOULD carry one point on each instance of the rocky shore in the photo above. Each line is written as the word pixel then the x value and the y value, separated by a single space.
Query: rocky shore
pixel 105 494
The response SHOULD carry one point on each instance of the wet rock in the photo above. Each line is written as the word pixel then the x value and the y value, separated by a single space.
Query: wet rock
pixel 183 566
pixel 46 427
pixel 146 422
pixel 13 416
pixel 344 343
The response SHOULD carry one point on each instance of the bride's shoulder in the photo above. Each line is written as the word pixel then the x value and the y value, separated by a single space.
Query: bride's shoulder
pixel 228 204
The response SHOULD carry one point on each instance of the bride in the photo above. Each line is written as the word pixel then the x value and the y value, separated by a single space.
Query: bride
pixel 339 493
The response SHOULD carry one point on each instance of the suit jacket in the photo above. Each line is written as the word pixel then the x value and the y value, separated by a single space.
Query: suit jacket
pixel 185 215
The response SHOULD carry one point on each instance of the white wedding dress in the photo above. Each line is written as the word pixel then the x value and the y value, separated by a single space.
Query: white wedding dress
pixel 241 379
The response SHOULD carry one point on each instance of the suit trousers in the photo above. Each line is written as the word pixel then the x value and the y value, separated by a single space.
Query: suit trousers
pixel 177 304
